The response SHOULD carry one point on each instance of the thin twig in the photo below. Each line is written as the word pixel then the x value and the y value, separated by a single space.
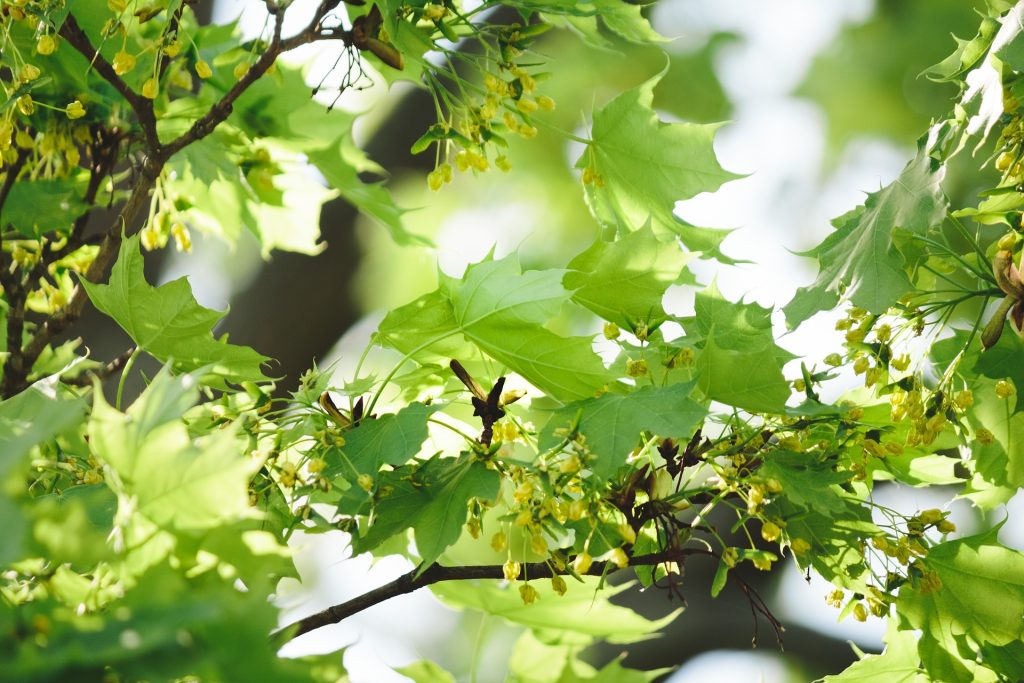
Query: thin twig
pixel 222 109
pixel 86 378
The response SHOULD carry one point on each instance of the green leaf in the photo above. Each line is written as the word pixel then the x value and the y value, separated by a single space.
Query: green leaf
pixel 15 525
pixel 646 165
pixel 341 162
pixel 612 423
pixel 751 380
pixel 899 663
pixel 38 413
pixel 426 671
pixel 388 440
pixel 1008 44
pixel 834 538
pixel 806 481
pixel 737 326
pixel 583 609
pixel 500 310
pixel 425 329
pixel 721 576
pixel 439 523
pixel 40 207
pixel 981 598
pixel 222 207
pixel 625 281
pixel 405 500
pixel 160 472
pixel 967 53
pixel 1000 462
pixel 1003 361
pixel 860 259
pixel 432 500
pixel 588 19
pixel 168 323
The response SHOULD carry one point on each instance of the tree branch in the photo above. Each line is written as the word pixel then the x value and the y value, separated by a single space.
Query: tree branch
pixel 410 581
pixel 20 362
pixel 86 378
pixel 278 46
pixel 142 107
pixel 108 250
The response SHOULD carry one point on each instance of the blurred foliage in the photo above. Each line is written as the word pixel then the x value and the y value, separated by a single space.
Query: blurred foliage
pixel 870 82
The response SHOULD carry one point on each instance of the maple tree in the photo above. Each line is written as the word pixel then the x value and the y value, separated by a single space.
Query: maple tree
pixel 145 536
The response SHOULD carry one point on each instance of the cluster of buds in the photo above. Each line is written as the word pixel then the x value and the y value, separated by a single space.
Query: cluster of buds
pixel 505 105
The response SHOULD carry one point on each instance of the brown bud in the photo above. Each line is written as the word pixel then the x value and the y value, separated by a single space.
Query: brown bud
pixel 1007 275
pixel 386 53
pixel 994 328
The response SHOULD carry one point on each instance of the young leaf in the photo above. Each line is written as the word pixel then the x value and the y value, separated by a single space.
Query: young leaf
pixel 861 259
pixel 160 472
pixel 643 166
pixel 751 380
pixel 387 440
pixel 981 597
pixel 426 671
pixel 624 281
pixel 899 663
pixel 168 323
pixel 580 611
pixel 612 423
pixel 500 310
pixel 341 162
pixel 33 416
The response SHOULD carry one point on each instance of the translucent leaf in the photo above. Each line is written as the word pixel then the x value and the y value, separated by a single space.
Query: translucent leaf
pixel 341 162
pixel 643 166
pixel 160 472
pixel 749 380
pixel 625 281
pixel 899 663
pixel 426 671
pixel 860 259
pixel 981 597
pixel 168 323
pixel 581 610
pixel 612 423
pixel 500 310
pixel 31 417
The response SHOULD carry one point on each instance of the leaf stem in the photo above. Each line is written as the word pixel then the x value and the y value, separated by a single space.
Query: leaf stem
pixel 124 374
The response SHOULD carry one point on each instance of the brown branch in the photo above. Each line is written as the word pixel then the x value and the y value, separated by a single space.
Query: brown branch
pixel 142 106
pixel 86 378
pixel 224 106
pixel 14 367
pixel 413 580
pixel 278 46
